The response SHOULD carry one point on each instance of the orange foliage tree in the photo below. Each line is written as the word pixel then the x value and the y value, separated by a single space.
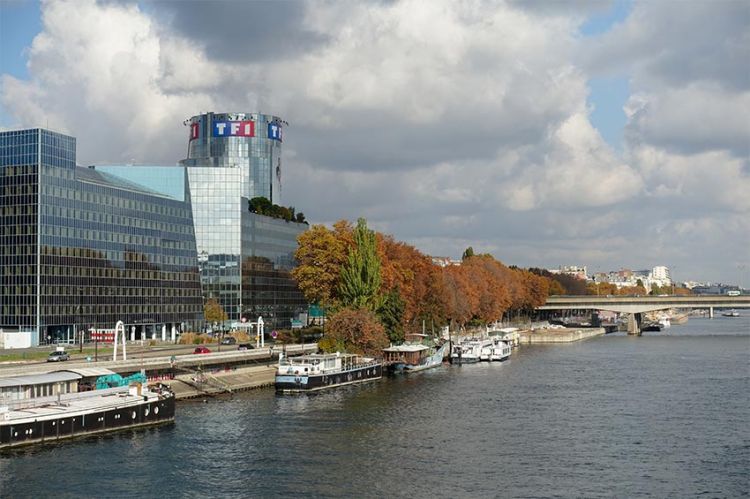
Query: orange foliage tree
pixel 356 331
pixel 415 278
pixel 321 254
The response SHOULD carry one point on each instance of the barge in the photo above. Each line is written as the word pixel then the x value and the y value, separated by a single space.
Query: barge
pixel 414 357
pixel 56 411
pixel 314 372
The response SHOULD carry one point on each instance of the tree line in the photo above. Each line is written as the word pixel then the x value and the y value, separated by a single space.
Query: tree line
pixel 376 289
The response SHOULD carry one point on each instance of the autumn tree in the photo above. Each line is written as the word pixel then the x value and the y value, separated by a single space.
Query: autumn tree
pixel 417 279
pixel 321 254
pixel 555 288
pixel 359 286
pixel 213 311
pixel 354 330
pixel 461 296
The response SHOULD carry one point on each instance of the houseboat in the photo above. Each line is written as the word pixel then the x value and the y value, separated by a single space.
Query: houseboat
pixel 511 335
pixel 411 357
pixel 308 373
pixel 500 350
pixel 49 407
pixel 469 350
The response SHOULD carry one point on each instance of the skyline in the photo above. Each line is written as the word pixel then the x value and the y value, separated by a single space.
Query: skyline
pixel 601 134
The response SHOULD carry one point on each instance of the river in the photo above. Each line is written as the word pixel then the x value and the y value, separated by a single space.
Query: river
pixel 663 415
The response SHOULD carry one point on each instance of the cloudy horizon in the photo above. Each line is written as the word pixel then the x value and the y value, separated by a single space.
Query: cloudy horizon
pixel 605 134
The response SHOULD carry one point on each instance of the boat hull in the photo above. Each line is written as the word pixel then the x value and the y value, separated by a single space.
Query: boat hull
pixel 433 360
pixel 64 426
pixel 301 383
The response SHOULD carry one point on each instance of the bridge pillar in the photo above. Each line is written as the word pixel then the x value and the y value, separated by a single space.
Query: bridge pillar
pixel 634 326
pixel 710 312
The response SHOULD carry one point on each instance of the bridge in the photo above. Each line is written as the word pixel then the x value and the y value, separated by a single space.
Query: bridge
pixel 637 305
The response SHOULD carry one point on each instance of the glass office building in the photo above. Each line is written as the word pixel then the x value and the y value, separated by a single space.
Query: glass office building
pixel 245 259
pixel 82 248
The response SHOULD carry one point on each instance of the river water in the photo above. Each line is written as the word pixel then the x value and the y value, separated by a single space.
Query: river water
pixel 663 415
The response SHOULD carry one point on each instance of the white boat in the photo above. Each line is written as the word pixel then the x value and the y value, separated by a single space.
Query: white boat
pixel 665 322
pixel 469 350
pixel 509 334
pixel 486 352
pixel 501 350
pixel 731 313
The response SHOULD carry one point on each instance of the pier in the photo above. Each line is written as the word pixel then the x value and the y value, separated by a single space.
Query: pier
pixel 562 335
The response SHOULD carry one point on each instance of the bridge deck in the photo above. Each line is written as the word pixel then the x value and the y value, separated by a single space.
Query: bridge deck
pixel 639 304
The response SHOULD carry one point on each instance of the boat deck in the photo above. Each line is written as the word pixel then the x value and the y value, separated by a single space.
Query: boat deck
pixel 93 401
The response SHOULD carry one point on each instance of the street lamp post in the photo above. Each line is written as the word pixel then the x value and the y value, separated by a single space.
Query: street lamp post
pixel 77 319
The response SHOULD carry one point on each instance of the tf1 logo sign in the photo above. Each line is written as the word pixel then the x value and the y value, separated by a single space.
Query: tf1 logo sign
pixel 274 131
pixel 234 129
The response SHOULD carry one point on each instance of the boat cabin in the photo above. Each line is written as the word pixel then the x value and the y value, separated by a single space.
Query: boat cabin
pixel 317 363
pixel 406 353
pixel 37 386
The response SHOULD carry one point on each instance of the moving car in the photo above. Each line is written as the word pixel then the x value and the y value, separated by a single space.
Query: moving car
pixel 245 346
pixel 201 349
pixel 58 356
pixel 229 340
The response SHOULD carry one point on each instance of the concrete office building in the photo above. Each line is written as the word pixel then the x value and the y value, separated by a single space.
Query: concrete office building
pixel 83 248
pixel 244 258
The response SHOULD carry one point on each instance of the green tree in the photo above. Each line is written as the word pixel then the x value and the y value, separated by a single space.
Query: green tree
pixel 213 312
pixel 391 315
pixel 260 205
pixel 360 276
pixel 468 253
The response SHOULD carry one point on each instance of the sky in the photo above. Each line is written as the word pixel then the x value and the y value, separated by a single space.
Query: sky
pixel 606 134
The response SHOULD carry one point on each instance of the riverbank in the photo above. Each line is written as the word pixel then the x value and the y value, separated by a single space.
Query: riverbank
pixel 210 384
pixel 560 335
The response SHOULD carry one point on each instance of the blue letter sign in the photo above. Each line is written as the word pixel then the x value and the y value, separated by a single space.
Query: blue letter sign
pixel 274 131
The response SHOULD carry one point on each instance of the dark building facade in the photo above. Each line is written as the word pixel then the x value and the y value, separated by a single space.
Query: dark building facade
pixel 245 259
pixel 82 248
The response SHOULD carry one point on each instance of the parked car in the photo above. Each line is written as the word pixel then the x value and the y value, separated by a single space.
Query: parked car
pixel 58 356
pixel 201 349
pixel 229 340
pixel 245 346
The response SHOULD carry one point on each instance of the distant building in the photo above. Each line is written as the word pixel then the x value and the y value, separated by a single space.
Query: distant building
pixel 571 270
pixel 625 278
pixel 444 261
pixel 82 248
pixel 660 276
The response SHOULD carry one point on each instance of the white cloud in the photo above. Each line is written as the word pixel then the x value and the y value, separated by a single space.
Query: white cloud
pixel 448 124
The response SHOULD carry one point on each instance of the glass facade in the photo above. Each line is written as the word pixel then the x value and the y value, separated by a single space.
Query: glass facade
pixel 245 259
pixel 268 289
pixel 84 248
